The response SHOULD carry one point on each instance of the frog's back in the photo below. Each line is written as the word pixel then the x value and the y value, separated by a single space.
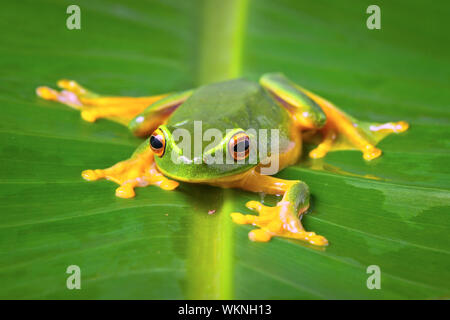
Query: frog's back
pixel 231 104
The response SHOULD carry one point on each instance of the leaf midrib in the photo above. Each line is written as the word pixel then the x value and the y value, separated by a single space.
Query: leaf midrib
pixel 219 59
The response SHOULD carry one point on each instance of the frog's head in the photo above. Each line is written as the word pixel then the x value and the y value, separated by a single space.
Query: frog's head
pixel 226 154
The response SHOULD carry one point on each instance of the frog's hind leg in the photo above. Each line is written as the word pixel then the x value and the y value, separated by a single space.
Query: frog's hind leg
pixel 344 132
pixel 94 106
pixel 282 220
pixel 339 131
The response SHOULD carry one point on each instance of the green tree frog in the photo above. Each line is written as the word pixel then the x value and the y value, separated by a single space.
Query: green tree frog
pixel 236 109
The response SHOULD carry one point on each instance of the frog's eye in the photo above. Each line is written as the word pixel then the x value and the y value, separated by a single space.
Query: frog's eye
pixel 158 142
pixel 239 146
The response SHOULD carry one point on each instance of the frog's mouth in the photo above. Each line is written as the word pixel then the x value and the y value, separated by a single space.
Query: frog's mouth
pixel 185 173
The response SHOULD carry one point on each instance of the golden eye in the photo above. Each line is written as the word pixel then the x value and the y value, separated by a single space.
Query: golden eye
pixel 239 146
pixel 158 142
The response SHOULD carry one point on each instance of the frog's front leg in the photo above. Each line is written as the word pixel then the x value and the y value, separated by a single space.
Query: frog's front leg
pixel 94 106
pixel 282 220
pixel 311 111
pixel 138 171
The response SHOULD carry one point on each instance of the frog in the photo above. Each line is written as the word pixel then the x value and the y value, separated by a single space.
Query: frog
pixel 231 107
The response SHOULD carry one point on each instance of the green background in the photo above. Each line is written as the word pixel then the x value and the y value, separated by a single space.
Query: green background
pixel 392 212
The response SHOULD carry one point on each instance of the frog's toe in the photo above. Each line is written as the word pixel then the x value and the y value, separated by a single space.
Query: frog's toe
pixel 256 206
pixel 240 218
pixel 317 240
pixel 47 93
pixel 400 126
pixel 317 153
pixel 125 191
pixel 263 218
pixel 259 235
pixel 72 86
pixel 371 153
pixel 92 175
pixel 167 184
pixel 266 213
pixel 89 116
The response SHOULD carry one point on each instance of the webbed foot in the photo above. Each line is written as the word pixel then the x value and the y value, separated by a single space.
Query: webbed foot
pixel 343 132
pixel 281 221
pixel 139 171
pixel 350 134
pixel 94 106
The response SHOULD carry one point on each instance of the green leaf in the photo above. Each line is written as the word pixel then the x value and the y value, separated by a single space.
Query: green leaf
pixel 392 212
